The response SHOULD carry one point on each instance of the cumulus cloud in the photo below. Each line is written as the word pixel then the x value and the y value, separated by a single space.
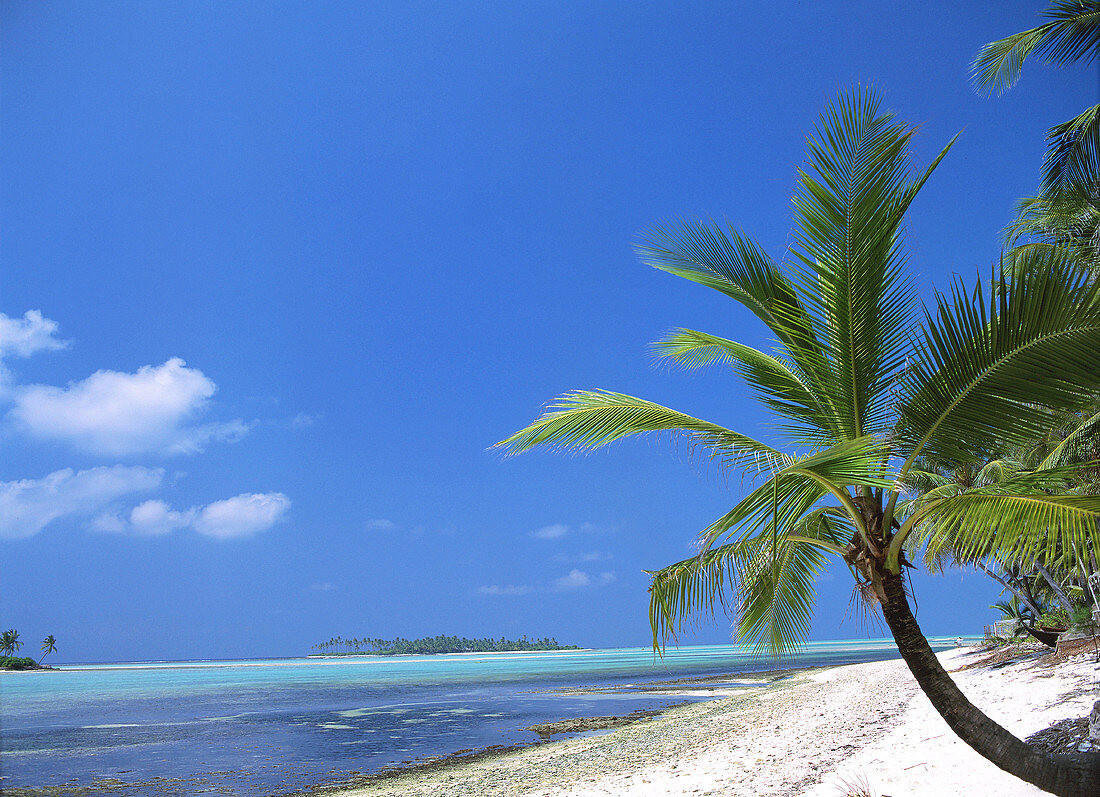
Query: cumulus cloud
pixel 508 589
pixel 120 414
pixel 241 516
pixel 577 579
pixel 28 335
pixel 156 517
pixel 29 505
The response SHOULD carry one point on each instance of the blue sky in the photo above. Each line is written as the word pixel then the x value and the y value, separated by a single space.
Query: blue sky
pixel 275 276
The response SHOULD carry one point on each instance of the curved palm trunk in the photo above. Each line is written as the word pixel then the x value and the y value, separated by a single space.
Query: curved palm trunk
pixel 1076 775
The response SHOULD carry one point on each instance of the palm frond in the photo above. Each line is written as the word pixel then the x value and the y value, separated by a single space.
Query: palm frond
pixel 784 500
pixel 982 374
pixel 1014 522
pixel 1073 446
pixel 1073 152
pixel 728 262
pixel 777 384
pixel 774 587
pixel 586 419
pixel 1069 217
pixel 996 471
pixel 1072 34
pixel 850 202
pixel 775 594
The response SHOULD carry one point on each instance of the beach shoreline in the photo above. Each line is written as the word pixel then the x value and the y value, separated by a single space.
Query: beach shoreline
pixel 808 733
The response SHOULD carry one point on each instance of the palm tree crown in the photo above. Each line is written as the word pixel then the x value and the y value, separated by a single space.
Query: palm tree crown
pixel 49 645
pixel 864 383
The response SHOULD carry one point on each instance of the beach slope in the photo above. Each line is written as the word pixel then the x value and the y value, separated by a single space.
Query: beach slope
pixel 813 733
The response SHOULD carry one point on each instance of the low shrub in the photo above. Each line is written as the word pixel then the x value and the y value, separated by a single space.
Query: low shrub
pixel 18 663
pixel 1055 618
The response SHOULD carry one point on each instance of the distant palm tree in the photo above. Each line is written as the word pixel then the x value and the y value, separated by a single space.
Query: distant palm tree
pixel 863 383
pixel 1073 34
pixel 9 642
pixel 49 645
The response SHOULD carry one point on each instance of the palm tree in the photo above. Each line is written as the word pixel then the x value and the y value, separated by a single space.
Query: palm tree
pixel 864 385
pixel 1069 219
pixel 49 645
pixel 1072 34
pixel 9 642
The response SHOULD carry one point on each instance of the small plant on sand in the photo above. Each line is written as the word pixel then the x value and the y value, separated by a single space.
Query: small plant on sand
pixel 856 786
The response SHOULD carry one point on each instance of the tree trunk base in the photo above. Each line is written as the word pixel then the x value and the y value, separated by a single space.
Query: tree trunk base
pixel 1075 775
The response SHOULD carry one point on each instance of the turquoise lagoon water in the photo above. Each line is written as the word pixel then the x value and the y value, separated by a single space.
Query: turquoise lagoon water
pixel 270 727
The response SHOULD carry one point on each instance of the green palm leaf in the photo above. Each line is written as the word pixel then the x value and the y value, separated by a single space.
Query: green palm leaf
pixel 1073 447
pixel 587 419
pixel 1072 34
pixel 777 384
pixel 973 384
pixel 773 583
pixel 784 499
pixel 850 203
pixel 726 261
pixel 1073 152
pixel 1013 528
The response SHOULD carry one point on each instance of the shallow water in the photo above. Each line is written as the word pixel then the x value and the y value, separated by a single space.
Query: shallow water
pixel 252 728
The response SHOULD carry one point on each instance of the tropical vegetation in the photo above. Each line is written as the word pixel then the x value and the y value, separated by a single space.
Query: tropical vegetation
pixel 49 645
pixel 19 663
pixel 1072 34
pixel 863 382
pixel 434 645
pixel 9 641
pixel 1051 594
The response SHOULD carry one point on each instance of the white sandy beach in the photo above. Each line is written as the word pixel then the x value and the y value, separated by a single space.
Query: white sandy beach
pixel 811 734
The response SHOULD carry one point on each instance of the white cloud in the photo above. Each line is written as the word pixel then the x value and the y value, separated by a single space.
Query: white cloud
pixel 508 589
pixel 118 414
pixel 380 524
pixel 324 586
pixel 29 505
pixel 577 579
pixel 558 530
pixel 240 516
pixel 552 532
pixel 28 335
pixel 587 556
pixel 156 517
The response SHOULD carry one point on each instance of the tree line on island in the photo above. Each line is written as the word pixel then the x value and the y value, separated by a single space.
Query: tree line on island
pixel 338 646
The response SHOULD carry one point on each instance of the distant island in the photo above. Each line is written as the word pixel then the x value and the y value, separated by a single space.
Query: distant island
pixel 338 646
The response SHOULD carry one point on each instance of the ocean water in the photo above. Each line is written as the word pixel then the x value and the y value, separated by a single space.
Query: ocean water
pixel 270 727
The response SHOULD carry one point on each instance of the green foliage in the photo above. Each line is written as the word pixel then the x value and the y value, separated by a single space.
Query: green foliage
pixel 49 645
pixel 858 383
pixel 9 641
pixel 436 645
pixel 17 663
pixel 1081 618
pixel 1056 617
pixel 1072 34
